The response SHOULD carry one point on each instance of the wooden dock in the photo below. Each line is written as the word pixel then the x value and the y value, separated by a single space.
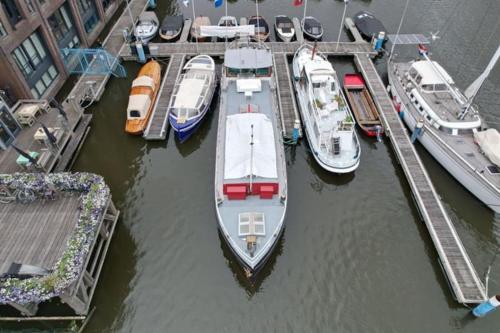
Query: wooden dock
pixel 299 35
pixel 218 48
pixel 158 123
pixel 462 277
pixel 91 86
pixel 185 31
pixel 286 97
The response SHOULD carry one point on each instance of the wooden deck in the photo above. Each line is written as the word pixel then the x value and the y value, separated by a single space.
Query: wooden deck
pixel 462 277
pixel 286 97
pixel 158 123
pixel 218 49
pixel 185 31
pixel 66 146
pixel 93 85
pixel 36 234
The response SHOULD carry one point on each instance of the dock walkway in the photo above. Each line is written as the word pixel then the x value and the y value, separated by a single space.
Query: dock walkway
pixel 286 97
pixel 462 277
pixel 157 126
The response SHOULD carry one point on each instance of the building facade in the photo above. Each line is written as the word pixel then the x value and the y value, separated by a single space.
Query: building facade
pixel 32 34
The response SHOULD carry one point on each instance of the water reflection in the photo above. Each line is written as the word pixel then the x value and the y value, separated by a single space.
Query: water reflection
pixel 251 284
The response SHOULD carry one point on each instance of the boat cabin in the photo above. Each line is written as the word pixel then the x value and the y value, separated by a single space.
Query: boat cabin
pixel 140 97
pixel 246 62
pixel 437 99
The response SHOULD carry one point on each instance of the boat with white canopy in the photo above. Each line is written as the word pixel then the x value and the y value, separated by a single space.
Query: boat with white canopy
pixel 327 119
pixel 250 171
pixel 192 96
pixel 284 28
pixel 448 125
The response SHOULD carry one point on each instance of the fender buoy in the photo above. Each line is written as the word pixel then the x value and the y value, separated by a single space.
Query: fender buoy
pixel 397 105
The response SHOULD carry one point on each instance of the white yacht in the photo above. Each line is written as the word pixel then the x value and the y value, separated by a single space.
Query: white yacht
pixel 250 169
pixel 327 119
pixel 446 123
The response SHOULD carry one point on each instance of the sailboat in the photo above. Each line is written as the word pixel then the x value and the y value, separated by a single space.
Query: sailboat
pixel 448 125
pixel 328 122
pixel 250 169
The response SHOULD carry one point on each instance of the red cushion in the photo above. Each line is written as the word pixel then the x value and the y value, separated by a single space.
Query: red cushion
pixel 236 192
pixel 266 191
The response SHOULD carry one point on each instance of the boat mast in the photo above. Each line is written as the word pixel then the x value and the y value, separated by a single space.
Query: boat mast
pixel 304 16
pixel 251 157
pixel 399 29
pixel 473 89
pixel 225 8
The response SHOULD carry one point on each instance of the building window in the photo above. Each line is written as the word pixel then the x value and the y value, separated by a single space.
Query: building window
pixel 36 64
pixel 3 32
pixel 106 4
pixel 88 11
pixel 8 126
pixel 29 5
pixel 63 29
pixel 11 11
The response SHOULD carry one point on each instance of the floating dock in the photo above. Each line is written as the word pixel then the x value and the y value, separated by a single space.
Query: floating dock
pixel 462 277
pixel 43 233
pixel 158 123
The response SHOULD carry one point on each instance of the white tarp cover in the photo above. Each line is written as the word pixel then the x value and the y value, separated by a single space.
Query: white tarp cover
pixel 139 103
pixel 188 94
pixel 143 81
pixel 229 32
pixel 237 151
pixel 489 141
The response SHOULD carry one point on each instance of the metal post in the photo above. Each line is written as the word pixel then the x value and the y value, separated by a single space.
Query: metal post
pixel 130 14
pixel 341 24
pixel 399 29
pixel 304 16
pixel 251 158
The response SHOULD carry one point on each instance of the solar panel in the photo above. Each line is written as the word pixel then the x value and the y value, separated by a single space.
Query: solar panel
pixel 408 39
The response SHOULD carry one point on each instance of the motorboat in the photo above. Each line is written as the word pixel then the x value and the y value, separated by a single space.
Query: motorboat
pixel 192 96
pixel 283 26
pixel 311 28
pixel 368 25
pixel 196 28
pixel 328 122
pixel 250 168
pixel 362 105
pixel 261 28
pixel 147 26
pixel 230 23
pixel 143 97
pixel 171 27
pixel 447 124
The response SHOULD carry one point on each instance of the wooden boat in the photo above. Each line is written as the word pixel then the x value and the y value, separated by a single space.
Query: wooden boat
pixel 142 97
pixel 284 28
pixel 171 27
pixel 312 28
pixel 196 28
pixel 362 105
pixel 261 28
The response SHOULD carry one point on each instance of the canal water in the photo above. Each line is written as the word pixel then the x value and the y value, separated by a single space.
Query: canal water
pixel 354 256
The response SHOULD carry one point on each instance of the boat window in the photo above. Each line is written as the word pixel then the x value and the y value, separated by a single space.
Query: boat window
pixel 316 84
pixel 134 114
pixel 262 71
pixel 413 72
pixel 440 87
pixel 418 79
pixel 332 87
pixel 427 87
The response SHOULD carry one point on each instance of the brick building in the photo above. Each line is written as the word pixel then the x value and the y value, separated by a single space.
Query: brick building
pixel 32 33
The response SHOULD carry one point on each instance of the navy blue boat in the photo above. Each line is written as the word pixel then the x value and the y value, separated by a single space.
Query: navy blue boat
pixel 192 96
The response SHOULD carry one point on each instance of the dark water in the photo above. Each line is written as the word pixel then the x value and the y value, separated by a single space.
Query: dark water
pixel 354 256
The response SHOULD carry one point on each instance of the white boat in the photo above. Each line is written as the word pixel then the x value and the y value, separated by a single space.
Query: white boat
pixel 250 169
pixel 192 96
pixel 327 119
pixel 448 125
pixel 284 28
pixel 228 21
pixel 147 26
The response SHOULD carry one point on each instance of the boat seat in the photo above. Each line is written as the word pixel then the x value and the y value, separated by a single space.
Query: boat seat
pixel 266 191
pixel 236 192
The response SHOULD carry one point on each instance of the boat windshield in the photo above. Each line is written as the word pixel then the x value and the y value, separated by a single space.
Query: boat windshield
pixel 233 72
pixel 184 113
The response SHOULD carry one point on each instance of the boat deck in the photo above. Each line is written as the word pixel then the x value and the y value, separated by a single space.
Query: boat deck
pixel 462 277
pixel 158 121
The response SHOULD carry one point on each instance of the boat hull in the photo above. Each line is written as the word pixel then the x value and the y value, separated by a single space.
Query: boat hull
pixel 465 175
pixel 170 38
